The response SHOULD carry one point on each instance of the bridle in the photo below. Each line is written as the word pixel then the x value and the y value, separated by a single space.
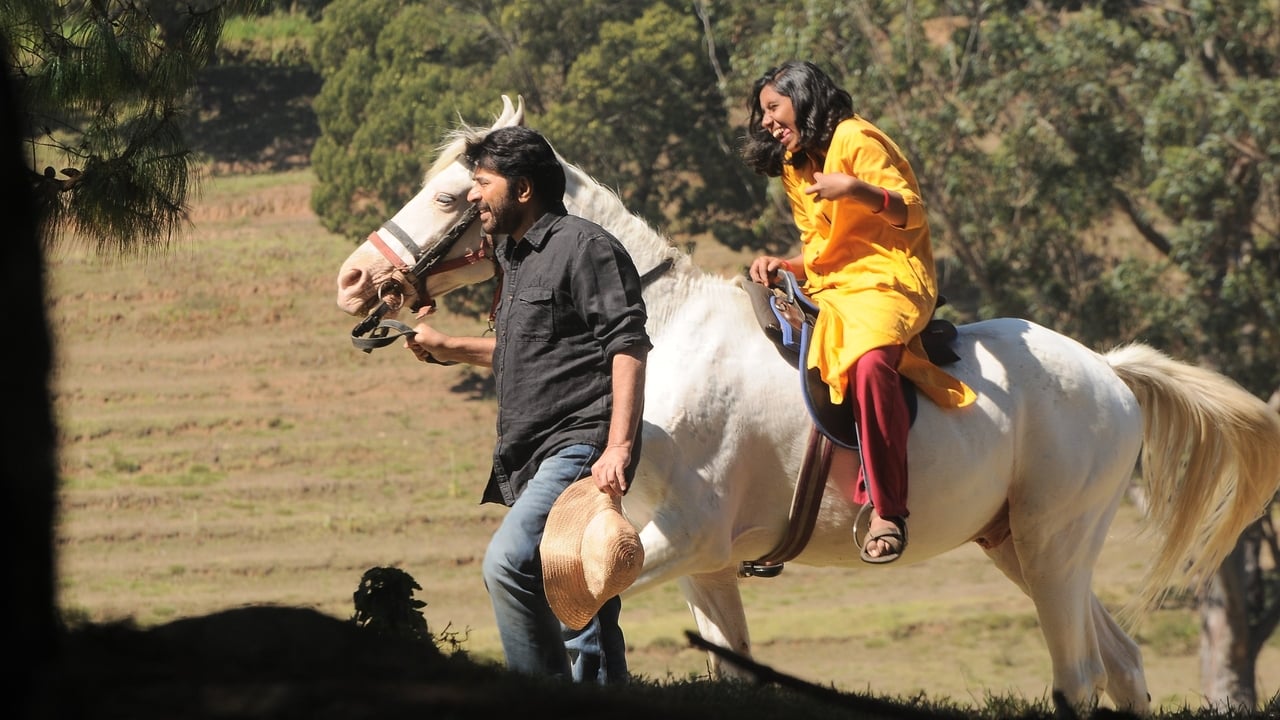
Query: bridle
pixel 390 294
pixel 426 264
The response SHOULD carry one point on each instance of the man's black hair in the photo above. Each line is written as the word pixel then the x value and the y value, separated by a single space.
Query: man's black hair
pixel 520 152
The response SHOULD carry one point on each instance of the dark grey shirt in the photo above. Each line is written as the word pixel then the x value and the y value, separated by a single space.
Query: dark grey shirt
pixel 570 302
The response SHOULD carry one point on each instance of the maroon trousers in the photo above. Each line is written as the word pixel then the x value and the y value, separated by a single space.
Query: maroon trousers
pixel 883 423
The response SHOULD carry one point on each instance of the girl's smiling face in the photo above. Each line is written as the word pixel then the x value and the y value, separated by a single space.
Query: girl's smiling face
pixel 778 117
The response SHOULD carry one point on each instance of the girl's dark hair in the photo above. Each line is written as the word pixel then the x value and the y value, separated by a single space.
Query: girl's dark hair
pixel 819 104
pixel 519 152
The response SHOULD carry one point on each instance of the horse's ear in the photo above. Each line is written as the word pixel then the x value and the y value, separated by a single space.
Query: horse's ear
pixel 508 111
pixel 511 114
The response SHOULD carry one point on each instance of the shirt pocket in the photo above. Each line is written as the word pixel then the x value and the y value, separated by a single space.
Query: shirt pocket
pixel 533 315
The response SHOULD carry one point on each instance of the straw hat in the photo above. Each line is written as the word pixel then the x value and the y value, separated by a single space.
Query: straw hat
pixel 590 553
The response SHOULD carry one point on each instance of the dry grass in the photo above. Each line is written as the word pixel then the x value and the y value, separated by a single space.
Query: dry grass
pixel 224 445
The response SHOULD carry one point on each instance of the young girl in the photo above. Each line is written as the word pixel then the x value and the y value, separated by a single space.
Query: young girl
pixel 866 260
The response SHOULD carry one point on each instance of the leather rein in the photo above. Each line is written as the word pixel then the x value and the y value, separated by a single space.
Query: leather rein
pixel 426 264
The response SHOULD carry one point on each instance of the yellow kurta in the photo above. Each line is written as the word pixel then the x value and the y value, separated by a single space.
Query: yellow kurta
pixel 874 284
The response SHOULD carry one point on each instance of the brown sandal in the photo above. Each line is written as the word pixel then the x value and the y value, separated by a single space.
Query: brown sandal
pixel 898 534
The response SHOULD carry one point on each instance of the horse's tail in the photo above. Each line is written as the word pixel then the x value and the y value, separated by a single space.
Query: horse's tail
pixel 1210 462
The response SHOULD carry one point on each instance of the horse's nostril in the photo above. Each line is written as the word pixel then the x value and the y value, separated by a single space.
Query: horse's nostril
pixel 352 278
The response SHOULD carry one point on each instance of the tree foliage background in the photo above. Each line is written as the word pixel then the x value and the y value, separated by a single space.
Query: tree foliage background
pixel 105 85
pixel 1108 170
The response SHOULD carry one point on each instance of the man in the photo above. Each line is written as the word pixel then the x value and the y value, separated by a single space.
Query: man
pixel 568 356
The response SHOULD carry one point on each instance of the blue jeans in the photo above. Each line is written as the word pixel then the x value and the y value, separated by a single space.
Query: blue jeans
pixel 533 639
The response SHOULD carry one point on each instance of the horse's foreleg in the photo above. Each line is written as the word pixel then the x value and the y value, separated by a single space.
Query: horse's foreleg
pixel 716 604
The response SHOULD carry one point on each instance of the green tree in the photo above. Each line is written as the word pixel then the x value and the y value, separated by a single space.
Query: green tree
pixel 628 86
pixel 390 93
pixel 626 89
pixel 1107 171
pixel 643 108
pixel 104 85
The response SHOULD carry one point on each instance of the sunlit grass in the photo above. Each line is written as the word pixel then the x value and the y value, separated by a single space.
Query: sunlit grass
pixel 228 462
pixel 281 37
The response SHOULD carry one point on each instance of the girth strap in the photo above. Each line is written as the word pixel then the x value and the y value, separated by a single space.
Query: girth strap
pixel 805 503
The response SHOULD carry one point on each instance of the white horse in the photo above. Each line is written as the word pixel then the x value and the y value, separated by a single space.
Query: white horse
pixel 1047 451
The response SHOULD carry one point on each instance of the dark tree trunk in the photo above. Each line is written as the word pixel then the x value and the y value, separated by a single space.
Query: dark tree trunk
pixel 31 632
pixel 1227 654
pixel 1239 612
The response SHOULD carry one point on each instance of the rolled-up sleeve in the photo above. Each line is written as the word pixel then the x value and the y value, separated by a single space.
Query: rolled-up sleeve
pixel 607 292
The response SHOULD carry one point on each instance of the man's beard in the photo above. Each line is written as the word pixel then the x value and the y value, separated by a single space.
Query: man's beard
pixel 503 217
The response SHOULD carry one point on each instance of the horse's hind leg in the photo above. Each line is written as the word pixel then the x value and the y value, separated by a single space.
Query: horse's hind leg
pixel 1126 678
pixel 1091 654
pixel 716 604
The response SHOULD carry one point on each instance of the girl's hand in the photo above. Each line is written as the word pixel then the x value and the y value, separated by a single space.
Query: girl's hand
pixel 832 186
pixel 764 269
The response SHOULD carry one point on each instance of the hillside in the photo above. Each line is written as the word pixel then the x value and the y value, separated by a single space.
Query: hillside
pixel 255 117
pixel 224 447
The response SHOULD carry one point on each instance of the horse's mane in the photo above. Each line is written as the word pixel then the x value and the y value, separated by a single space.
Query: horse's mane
pixel 599 203
pixel 451 147
pixel 604 206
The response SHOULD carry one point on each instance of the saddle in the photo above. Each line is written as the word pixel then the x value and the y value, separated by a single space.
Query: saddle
pixel 787 315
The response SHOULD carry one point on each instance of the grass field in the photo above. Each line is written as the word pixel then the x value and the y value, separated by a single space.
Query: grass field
pixel 223 445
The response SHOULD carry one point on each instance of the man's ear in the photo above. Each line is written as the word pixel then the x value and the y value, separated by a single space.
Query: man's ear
pixel 524 190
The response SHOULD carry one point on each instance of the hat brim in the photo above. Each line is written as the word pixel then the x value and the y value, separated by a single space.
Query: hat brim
pixel 590 553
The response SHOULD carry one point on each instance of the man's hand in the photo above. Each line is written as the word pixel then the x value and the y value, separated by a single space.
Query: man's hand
pixel 610 471
pixel 426 342
pixel 432 346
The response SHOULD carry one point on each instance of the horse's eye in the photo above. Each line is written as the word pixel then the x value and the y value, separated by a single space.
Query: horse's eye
pixel 446 199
